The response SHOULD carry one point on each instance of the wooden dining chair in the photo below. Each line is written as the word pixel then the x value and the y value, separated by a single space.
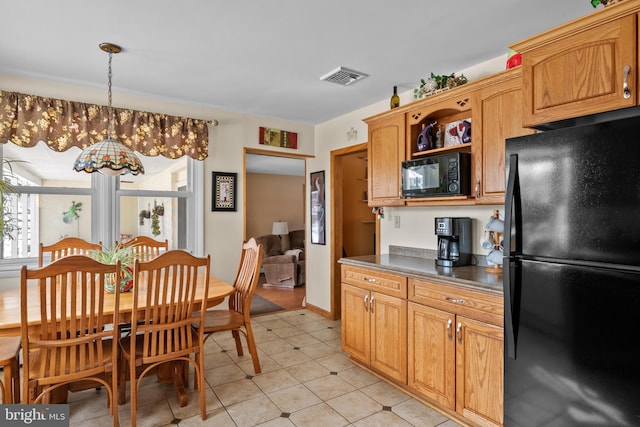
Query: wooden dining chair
pixel 237 318
pixel 161 331
pixel 9 361
pixel 65 247
pixel 75 340
pixel 147 248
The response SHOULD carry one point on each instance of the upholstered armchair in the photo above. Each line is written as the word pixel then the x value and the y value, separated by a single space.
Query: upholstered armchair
pixel 283 269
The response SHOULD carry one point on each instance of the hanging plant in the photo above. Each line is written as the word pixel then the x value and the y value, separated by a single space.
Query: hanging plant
pixel 144 214
pixel 158 209
pixel 72 213
pixel 155 223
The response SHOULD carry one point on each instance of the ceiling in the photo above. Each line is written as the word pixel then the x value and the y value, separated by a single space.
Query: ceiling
pixel 265 58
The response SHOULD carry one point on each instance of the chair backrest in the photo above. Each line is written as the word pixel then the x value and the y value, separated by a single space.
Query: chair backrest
pixel 247 277
pixel 69 341
pixel 147 248
pixel 65 247
pixel 168 285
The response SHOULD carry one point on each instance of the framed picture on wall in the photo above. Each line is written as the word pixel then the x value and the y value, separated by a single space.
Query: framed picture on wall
pixel 317 208
pixel 223 189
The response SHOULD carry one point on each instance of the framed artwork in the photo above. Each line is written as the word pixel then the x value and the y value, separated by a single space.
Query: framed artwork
pixel 223 191
pixel 278 138
pixel 317 208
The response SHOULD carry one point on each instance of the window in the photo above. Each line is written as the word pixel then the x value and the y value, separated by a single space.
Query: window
pixel 54 201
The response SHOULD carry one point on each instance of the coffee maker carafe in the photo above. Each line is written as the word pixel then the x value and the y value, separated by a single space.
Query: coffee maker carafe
pixel 454 241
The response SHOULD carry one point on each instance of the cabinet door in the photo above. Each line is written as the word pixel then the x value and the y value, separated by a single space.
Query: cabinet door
pixel 389 335
pixel 431 358
pixel 385 153
pixel 479 371
pixel 356 322
pixel 581 74
pixel 501 116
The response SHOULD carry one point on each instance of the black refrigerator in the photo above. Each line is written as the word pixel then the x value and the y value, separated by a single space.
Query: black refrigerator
pixel 572 277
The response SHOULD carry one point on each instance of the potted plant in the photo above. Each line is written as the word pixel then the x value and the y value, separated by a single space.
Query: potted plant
pixel 7 221
pixel 127 256
pixel 437 83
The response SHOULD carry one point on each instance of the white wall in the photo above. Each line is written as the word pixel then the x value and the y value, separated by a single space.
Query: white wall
pixel 223 230
pixel 416 223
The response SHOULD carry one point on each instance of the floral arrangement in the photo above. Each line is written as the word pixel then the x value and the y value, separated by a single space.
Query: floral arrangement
pixel 437 83
pixel 127 256
pixel 605 3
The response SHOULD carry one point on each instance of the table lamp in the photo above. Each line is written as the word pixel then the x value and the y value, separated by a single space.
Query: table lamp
pixel 281 228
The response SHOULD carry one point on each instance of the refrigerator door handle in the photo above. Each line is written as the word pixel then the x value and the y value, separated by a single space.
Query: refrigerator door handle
pixel 512 215
pixel 512 220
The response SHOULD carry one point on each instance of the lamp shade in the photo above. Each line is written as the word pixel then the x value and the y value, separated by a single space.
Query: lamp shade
pixel 280 228
pixel 109 157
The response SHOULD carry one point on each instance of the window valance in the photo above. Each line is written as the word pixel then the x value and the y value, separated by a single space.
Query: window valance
pixel 26 120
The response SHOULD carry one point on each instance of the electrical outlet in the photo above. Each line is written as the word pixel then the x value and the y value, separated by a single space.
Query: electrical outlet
pixel 396 221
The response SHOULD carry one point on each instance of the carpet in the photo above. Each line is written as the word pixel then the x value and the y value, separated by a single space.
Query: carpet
pixel 260 305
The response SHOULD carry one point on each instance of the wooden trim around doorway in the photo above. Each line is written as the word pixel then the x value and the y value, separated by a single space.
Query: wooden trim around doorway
pixel 335 194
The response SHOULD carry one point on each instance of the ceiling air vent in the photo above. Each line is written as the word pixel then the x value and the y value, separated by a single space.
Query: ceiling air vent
pixel 343 76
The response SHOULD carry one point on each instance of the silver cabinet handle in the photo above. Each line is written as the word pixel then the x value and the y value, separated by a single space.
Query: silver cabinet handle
pixel 454 300
pixel 366 279
pixel 449 335
pixel 366 302
pixel 459 333
pixel 372 302
pixel 478 188
pixel 625 87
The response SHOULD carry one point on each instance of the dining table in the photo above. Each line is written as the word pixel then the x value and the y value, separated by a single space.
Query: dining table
pixel 10 315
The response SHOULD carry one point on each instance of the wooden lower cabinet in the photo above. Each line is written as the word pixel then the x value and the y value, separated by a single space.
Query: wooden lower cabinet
pixel 454 359
pixel 479 371
pixel 441 342
pixel 457 362
pixel 431 354
pixel 374 330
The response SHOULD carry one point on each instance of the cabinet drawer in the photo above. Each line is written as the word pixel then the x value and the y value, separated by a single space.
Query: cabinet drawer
pixel 483 306
pixel 378 281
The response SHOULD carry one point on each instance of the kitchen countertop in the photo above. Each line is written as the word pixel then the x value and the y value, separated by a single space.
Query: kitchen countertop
pixel 424 268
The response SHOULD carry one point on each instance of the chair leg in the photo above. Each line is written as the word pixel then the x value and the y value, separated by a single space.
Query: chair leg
pixel 122 381
pixel 199 373
pixel 133 396
pixel 236 337
pixel 252 348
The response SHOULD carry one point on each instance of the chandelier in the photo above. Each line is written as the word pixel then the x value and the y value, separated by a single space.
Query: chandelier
pixel 109 156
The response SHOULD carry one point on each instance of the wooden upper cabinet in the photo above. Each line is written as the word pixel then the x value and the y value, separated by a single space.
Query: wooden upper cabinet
pixel 499 114
pixel 579 69
pixel 385 155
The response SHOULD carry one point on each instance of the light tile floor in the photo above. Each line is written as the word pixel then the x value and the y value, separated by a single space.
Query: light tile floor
pixel 306 381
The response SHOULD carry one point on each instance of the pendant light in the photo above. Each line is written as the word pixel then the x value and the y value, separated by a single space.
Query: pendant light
pixel 109 156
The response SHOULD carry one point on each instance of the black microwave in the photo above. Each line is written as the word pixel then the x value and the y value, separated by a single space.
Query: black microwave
pixel 440 175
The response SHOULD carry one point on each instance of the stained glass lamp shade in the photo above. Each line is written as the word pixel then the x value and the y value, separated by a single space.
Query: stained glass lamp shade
pixel 110 158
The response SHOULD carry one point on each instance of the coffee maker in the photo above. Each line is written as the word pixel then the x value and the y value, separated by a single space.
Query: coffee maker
pixel 454 241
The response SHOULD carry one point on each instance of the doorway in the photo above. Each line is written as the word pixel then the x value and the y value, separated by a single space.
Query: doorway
pixel 274 191
pixel 355 228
